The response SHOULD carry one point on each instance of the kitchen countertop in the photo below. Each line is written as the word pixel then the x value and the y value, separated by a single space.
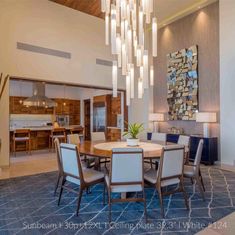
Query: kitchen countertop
pixel 44 128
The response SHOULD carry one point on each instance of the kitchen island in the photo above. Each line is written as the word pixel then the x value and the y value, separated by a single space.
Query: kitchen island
pixel 40 136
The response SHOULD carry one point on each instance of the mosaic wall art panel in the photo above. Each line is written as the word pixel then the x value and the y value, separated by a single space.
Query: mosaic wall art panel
pixel 182 84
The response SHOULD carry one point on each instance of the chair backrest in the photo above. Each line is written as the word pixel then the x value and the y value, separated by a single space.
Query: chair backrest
pixel 22 132
pixel 126 166
pixel 73 139
pixel 159 137
pixel 171 163
pixel 58 153
pixel 184 140
pixel 98 136
pixel 71 162
pixel 76 130
pixel 198 156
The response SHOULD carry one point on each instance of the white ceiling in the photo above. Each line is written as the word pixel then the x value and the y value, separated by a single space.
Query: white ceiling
pixel 170 10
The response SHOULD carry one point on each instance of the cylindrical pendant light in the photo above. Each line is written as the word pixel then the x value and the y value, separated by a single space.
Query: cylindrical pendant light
pixel 146 69
pixel 114 76
pixel 123 9
pixel 140 88
pixel 132 77
pixel 119 50
pixel 124 62
pixel 113 30
pixel 138 56
pixel 118 13
pixel 107 6
pixel 103 5
pixel 129 37
pixel 107 29
pixel 128 83
pixel 154 37
pixel 151 75
pixel 141 30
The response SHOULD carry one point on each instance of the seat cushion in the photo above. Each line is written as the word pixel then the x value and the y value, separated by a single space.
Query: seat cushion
pixel 21 138
pixel 170 182
pixel 189 171
pixel 151 176
pixel 124 188
pixel 92 175
pixel 89 176
pixel 57 136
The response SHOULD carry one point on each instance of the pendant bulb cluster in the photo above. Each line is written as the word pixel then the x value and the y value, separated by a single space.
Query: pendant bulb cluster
pixel 127 26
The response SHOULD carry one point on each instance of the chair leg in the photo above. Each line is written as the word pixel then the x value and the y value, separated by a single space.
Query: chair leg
pixel 104 191
pixel 145 208
pixel 191 180
pixel 61 190
pixel 161 200
pixel 14 148
pixel 57 184
pixel 79 199
pixel 200 174
pixel 185 194
pixel 109 200
pixel 200 187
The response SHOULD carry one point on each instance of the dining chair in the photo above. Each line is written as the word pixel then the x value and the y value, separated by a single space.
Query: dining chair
pixel 95 137
pixel 59 133
pixel 22 135
pixel 98 136
pixel 73 139
pixel 122 179
pixel 73 172
pixel 170 172
pixel 58 158
pixel 185 140
pixel 161 139
pixel 193 171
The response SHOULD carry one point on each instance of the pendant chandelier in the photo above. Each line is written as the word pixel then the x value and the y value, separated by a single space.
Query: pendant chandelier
pixel 127 24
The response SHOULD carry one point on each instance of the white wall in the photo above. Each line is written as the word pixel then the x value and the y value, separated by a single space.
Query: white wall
pixel 227 81
pixel 47 24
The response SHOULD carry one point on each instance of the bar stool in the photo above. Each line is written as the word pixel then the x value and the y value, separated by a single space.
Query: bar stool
pixel 22 135
pixel 59 133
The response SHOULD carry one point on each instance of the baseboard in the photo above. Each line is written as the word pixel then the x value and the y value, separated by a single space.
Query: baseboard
pixel 226 167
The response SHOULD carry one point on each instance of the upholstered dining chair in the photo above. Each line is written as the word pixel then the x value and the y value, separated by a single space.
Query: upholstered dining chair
pixel 99 136
pixel 58 157
pixel 193 171
pixel 185 140
pixel 122 179
pixel 170 172
pixel 161 139
pixel 59 133
pixel 73 172
pixel 75 139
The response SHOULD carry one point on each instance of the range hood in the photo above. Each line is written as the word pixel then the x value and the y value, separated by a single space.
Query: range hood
pixel 39 98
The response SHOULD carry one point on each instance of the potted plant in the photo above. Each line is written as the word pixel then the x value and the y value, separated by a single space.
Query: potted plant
pixel 132 133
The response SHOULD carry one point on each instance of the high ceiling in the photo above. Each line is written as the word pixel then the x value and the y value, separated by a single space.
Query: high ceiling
pixel 167 10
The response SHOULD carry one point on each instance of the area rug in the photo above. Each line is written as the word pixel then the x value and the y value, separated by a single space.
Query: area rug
pixel 27 206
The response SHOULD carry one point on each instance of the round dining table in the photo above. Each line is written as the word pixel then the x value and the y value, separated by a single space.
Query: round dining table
pixel 104 149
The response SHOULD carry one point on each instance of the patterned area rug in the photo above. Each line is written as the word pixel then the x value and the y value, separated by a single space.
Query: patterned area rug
pixel 27 206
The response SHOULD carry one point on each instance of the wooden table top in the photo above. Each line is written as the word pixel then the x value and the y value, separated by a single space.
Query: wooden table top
pixel 104 149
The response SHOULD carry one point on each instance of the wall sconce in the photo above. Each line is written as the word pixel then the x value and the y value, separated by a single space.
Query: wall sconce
pixel 206 118
pixel 155 118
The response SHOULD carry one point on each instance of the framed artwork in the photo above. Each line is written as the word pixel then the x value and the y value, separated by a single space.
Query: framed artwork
pixel 182 84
